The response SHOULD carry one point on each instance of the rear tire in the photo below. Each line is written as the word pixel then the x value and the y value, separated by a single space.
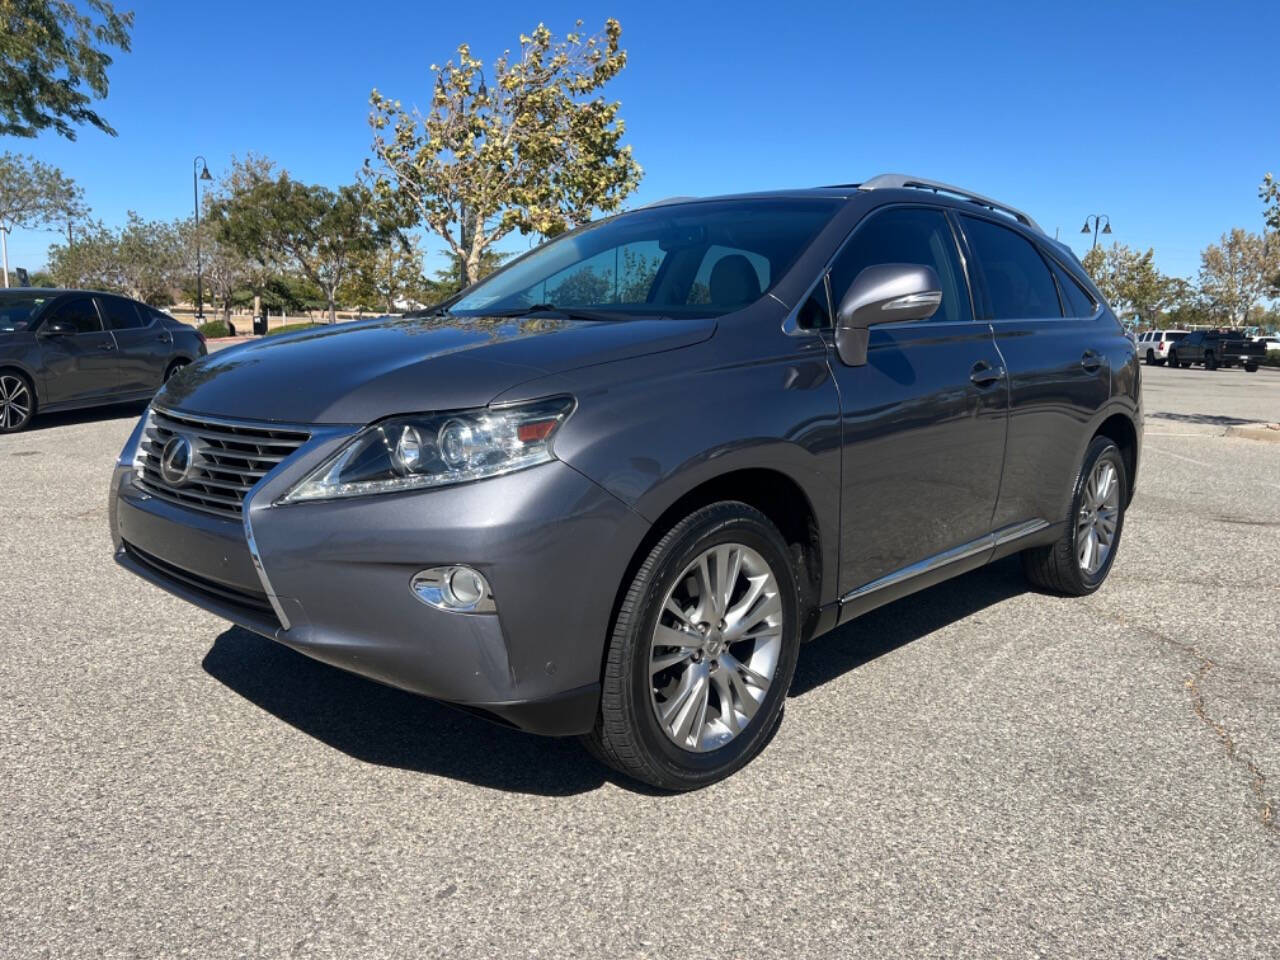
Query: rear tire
pixel 1151 358
pixel 1251 368
pixel 1173 358
pixel 17 401
pixel 1061 567
pixel 646 679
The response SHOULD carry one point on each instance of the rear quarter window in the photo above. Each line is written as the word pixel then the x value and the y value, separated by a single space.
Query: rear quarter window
pixel 1018 283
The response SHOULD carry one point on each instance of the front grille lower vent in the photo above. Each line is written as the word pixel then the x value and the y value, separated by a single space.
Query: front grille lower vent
pixel 226 459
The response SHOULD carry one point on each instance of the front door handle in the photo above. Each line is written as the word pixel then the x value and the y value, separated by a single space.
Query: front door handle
pixel 1091 361
pixel 984 374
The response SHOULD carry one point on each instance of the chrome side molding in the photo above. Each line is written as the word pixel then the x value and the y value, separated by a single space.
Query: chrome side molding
pixel 990 541
pixel 257 559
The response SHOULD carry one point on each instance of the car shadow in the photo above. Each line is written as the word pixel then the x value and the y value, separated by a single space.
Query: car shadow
pixel 896 624
pixel 389 727
pixel 64 418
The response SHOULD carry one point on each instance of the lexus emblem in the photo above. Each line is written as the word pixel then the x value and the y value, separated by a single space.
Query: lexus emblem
pixel 175 460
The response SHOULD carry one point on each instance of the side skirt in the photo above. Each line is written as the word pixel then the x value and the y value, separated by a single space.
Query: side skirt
pixel 944 566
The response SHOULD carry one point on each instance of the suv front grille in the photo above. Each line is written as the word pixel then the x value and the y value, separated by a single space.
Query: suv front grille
pixel 226 459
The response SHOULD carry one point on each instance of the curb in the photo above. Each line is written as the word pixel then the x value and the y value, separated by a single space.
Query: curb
pixel 1268 433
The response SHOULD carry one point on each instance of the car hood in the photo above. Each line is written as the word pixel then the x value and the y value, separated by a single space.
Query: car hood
pixel 359 372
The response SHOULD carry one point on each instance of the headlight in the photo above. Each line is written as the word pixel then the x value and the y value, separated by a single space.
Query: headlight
pixel 434 450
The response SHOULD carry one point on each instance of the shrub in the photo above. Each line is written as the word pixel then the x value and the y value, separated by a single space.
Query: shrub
pixel 213 329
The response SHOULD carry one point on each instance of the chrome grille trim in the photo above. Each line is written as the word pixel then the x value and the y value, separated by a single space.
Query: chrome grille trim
pixel 229 458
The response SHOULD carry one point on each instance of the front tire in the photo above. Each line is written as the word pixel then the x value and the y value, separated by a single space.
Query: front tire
pixel 17 402
pixel 1078 563
pixel 703 651
pixel 1210 362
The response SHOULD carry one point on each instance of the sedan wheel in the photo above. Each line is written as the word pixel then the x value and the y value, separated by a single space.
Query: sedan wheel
pixel 16 403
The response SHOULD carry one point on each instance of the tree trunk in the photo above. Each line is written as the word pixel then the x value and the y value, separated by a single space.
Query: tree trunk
pixel 333 311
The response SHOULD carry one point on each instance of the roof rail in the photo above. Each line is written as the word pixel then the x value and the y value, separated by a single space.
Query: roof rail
pixel 895 181
pixel 665 201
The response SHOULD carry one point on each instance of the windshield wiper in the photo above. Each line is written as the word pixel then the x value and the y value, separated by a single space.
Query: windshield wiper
pixel 571 313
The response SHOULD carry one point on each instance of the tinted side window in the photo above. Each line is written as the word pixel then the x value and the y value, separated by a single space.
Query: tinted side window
pixel 1019 286
pixel 79 312
pixel 906 235
pixel 121 314
pixel 1078 302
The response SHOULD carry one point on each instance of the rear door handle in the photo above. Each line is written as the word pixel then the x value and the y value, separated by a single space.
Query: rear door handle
pixel 1091 361
pixel 106 346
pixel 984 374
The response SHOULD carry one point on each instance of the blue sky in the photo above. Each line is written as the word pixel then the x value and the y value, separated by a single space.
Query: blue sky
pixel 1161 115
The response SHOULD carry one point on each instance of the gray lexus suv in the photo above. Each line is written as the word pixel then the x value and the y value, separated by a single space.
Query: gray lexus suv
pixel 609 490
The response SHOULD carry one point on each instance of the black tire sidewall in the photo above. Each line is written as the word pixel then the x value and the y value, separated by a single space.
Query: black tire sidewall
pixel 693 769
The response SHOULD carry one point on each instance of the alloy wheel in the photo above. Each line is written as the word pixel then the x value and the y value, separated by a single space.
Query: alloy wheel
pixel 15 402
pixel 715 647
pixel 1098 518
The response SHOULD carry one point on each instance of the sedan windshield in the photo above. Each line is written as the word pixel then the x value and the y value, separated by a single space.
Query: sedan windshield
pixel 680 259
pixel 17 310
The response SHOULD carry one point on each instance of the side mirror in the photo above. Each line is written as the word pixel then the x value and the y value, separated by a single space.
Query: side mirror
pixel 58 328
pixel 884 293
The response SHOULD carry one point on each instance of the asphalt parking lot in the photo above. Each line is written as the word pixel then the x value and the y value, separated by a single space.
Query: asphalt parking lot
pixel 978 770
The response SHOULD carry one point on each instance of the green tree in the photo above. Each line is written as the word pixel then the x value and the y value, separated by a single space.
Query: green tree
pixel 1130 281
pixel 144 259
pixel 537 151
pixel 290 226
pixel 33 195
pixel 452 278
pixel 390 274
pixel 51 52
pixel 1269 191
pixel 1237 272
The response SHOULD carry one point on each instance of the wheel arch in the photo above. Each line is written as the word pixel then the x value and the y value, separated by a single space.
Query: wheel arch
pixel 775 494
pixel 1119 427
pixel 10 366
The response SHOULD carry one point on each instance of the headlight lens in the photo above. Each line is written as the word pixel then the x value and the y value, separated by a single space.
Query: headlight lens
pixel 428 450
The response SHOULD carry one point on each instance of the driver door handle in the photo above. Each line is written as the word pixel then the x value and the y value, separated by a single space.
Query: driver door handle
pixel 984 374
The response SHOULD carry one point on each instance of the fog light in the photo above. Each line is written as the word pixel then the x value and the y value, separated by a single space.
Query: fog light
pixel 457 589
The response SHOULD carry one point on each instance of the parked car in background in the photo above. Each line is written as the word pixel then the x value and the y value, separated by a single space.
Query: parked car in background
pixel 1153 346
pixel 611 488
pixel 1217 348
pixel 64 349
pixel 1269 341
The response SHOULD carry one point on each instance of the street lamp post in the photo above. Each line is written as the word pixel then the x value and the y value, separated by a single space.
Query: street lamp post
pixel 199 171
pixel 1098 219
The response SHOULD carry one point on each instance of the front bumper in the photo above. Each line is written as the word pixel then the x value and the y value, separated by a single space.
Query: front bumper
pixel 553 545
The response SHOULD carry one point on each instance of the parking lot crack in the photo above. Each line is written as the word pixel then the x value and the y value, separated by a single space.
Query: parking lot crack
pixel 1195 689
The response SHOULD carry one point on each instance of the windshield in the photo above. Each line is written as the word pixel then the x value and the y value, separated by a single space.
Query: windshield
pixel 17 309
pixel 687 259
